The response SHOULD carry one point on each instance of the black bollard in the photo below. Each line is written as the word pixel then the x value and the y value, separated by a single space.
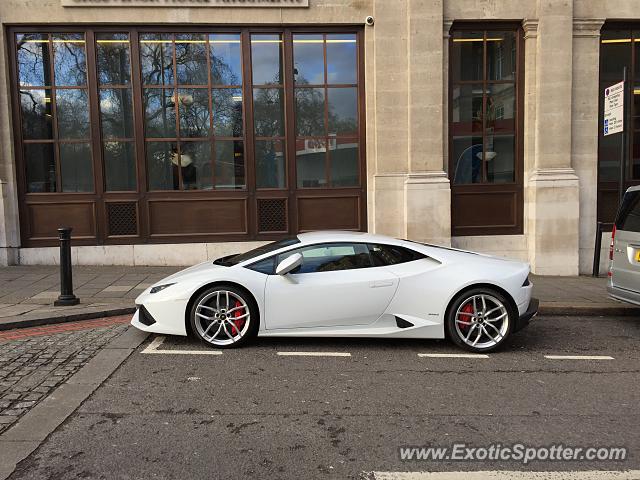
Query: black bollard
pixel 66 296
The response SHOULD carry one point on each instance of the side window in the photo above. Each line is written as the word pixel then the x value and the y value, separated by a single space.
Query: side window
pixel 382 255
pixel 330 257
pixel 266 266
pixel 629 216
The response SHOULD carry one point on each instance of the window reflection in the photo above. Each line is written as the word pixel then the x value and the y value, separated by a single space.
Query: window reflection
pixel 113 59
pixel 483 106
pixel 501 55
pixel 160 113
pixel 343 111
pixel 500 108
pixel 119 166
pixel 36 114
pixel 310 112
pixel 268 112
pixel 343 156
pixel 500 161
pixel 160 171
pixel 467 53
pixel 73 113
pixel 266 59
pixel 229 165
pixel 76 167
pixel 70 67
pixel 308 59
pixel 270 164
pixel 156 58
pixel 116 113
pixel 342 63
pixel 194 112
pixel 467 159
pixel 40 167
pixel 227 112
pixel 191 59
pixel 311 158
pixel 34 61
pixel 195 165
pixel 226 64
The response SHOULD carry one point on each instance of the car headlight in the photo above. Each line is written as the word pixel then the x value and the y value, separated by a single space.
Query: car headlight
pixel 159 288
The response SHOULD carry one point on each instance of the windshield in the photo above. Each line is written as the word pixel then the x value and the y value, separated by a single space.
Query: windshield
pixel 231 260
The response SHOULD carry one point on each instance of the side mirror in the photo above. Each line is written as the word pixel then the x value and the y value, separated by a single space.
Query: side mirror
pixel 289 264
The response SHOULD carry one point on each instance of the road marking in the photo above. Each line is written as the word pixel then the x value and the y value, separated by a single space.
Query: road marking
pixel 314 354
pixel 453 355
pixel 153 348
pixel 578 357
pixel 506 475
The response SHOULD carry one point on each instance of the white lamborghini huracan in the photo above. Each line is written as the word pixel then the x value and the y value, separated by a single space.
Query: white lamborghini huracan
pixel 343 284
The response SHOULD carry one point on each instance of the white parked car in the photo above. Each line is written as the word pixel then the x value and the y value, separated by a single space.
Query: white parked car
pixel 343 284
pixel 624 251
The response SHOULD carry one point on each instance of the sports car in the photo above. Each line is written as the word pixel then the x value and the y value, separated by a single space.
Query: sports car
pixel 343 284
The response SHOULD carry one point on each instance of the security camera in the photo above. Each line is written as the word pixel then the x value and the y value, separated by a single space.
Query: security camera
pixel 369 20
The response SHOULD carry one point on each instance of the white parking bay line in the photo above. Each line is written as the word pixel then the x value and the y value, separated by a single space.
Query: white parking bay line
pixel 314 354
pixel 453 355
pixel 506 475
pixel 153 348
pixel 579 357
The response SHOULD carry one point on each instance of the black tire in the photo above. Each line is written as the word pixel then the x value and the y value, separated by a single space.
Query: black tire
pixel 200 325
pixel 477 324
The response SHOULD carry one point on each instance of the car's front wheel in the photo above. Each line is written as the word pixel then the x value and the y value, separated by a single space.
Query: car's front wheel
pixel 480 320
pixel 224 316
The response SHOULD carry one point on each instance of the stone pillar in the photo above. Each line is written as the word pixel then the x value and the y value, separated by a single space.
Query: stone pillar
pixel 387 104
pixel 427 190
pixel 9 224
pixel 584 133
pixel 553 207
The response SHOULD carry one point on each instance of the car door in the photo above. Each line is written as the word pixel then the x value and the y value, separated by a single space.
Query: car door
pixel 626 258
pixel 336 285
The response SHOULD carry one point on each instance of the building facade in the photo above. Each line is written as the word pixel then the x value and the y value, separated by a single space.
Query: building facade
pixel 166 132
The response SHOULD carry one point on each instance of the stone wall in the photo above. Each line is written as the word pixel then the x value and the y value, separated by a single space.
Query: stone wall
pixel 406 65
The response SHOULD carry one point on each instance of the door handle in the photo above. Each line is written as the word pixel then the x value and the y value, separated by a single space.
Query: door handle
pixel 382 283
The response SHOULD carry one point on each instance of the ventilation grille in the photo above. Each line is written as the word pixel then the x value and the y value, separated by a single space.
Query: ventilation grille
pixel 122 219
pixel 272 215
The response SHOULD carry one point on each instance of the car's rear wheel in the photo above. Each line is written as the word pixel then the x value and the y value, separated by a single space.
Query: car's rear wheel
pixel 480 320
pixel 224 316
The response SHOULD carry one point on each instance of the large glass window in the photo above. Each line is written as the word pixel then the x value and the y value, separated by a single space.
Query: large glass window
pixel 116 110
pixel 52 77
pixel 326 110
pixel 192 93
pixel 619 48
pixel 268 110
pixel 262 128
pixel 483 106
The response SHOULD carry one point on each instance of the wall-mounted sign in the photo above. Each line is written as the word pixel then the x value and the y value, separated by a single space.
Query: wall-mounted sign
pixel 613 109
pixel 185 3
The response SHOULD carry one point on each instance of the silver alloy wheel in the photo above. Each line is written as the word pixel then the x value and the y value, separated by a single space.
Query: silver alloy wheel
pixel 222 317
pixel 482 321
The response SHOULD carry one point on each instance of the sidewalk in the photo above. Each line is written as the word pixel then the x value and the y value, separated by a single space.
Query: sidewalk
pixel 27 294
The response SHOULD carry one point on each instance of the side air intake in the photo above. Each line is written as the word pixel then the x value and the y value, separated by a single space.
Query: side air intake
pixel 402 323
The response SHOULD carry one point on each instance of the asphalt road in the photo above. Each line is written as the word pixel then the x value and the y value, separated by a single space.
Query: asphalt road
pixel 252 413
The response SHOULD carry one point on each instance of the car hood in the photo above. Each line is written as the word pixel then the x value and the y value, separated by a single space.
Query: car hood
pixel 196 269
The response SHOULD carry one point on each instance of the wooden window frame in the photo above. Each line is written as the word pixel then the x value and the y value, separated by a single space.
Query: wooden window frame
pixel 513 190
pixel 93 230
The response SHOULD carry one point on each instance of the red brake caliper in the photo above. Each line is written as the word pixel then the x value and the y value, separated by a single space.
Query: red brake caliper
pixel 238 324
pixel 468 308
